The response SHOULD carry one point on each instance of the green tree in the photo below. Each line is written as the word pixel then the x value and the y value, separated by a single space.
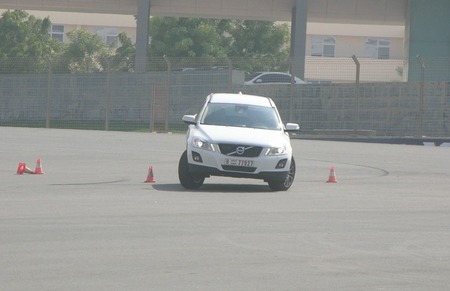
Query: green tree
pixel 124 57
pixel 254 45
pixel 261 45
pixel 25 43
pixel 86 52
pixel 188 37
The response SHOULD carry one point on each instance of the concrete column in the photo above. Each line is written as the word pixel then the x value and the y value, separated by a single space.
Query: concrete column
pixel 298 37
pixel 427 34
pixel 142 30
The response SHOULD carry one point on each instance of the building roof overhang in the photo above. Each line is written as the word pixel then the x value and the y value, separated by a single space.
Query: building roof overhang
pixel 384 12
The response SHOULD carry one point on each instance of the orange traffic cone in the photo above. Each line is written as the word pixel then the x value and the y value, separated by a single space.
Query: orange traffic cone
pixel 27 170
pixel 21 168
pixel 38 169
pixel 150 178
pixel 332 176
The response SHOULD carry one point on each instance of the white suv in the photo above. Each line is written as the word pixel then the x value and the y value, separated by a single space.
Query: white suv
pixel 237 135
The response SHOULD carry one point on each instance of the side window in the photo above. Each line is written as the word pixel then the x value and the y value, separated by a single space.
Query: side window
pixel 109 35
pixel 267 78
pixel 377 48
pixel 57 32
pixel 285 78
pixel 280 78
pixel 323 46
pixel 275 78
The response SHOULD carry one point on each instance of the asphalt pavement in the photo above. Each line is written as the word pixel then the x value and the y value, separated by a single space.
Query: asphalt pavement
pixel 90 222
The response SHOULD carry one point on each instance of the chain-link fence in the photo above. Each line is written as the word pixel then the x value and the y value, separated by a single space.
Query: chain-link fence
pixel 361 96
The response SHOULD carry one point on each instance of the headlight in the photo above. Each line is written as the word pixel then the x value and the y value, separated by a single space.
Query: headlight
pixel 275 151
pixel 202 144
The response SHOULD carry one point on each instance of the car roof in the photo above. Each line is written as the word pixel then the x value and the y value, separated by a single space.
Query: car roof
pixel 257 74
pixel 240 98
pixel 280 73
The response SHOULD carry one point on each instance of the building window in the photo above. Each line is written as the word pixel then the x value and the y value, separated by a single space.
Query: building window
pixel 109 35
pixel 323 46
pixel 378 48
pixel 57 32
pixel 112 40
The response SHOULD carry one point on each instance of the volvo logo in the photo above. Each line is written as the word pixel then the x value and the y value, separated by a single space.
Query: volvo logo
pixel 240 150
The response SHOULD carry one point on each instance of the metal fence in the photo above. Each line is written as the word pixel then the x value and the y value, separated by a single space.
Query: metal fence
pixel 350 95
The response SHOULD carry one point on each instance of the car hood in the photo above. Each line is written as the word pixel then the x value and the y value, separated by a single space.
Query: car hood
pixel 242 135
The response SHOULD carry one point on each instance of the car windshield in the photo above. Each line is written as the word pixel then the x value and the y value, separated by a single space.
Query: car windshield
pixel 240 115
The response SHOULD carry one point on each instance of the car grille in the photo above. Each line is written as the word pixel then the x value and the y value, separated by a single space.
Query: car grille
pixel 239 168
pixel 238 150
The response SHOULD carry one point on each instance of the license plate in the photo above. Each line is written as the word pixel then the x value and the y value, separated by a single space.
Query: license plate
pixel 236 162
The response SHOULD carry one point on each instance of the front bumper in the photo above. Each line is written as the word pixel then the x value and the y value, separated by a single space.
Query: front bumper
pixel 206 171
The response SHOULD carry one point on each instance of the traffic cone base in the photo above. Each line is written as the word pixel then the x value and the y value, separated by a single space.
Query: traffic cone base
pixel 38 169
pixel 150 178
pixel 332 176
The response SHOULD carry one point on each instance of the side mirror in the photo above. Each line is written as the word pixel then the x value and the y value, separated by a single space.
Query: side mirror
pixel 292 127
pixel 189 119
pixel 258 81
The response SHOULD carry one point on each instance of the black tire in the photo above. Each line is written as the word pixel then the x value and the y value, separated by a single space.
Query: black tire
pixel 287 183
pixel 186 179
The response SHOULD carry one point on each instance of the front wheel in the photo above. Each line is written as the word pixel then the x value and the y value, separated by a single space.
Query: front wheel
pixel 186 179
pixel 287 183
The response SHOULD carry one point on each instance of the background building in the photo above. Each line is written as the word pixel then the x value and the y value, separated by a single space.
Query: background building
pixel 105 25
pixel 327 44
pixel 330 46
